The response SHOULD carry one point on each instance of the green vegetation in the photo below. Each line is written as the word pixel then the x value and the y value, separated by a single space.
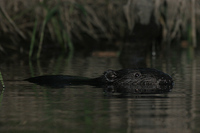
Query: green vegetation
pixel 1 79
pixel 64 24
pixel 60 22
pixel 2 91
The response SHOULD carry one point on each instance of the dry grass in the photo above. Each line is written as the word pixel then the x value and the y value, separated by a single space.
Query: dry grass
pixel 67 21
pixel 97 19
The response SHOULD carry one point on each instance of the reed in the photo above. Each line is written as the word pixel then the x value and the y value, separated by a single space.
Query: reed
pixel 1 79
pixel 1 96
pixel 2 91
pixel 68 22
pixel 33 37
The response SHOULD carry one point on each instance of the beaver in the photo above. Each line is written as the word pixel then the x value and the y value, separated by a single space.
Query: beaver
pixel 120 80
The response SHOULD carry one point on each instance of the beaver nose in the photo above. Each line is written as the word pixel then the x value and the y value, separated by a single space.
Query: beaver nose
pixel 166 82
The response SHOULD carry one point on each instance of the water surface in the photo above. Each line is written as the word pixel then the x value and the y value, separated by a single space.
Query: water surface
pixel 26 107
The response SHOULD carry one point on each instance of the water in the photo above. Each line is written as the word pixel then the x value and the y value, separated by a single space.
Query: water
pixel 26 107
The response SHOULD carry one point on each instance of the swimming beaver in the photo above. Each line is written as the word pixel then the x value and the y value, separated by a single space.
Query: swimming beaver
pixel 124 79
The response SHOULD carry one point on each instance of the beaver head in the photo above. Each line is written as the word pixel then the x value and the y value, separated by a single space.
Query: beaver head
pixel 144 76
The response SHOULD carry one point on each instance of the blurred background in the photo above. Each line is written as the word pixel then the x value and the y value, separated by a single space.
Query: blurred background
pixel 33 27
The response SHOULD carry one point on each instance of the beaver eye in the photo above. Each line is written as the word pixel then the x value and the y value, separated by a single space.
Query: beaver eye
pixel 137 75
pixel 110 75
pixel 113 76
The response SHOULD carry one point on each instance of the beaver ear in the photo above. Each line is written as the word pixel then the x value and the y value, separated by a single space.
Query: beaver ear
pixel 110 75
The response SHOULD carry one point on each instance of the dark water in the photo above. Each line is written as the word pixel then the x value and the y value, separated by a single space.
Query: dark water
pixel 26 107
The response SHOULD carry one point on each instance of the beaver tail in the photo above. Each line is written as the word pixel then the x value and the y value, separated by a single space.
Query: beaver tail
pixel 59 80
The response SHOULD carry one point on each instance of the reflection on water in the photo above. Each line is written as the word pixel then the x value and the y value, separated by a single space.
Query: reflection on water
pixel 27 107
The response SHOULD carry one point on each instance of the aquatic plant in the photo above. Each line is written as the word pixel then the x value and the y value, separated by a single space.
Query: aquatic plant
pixel 1 79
